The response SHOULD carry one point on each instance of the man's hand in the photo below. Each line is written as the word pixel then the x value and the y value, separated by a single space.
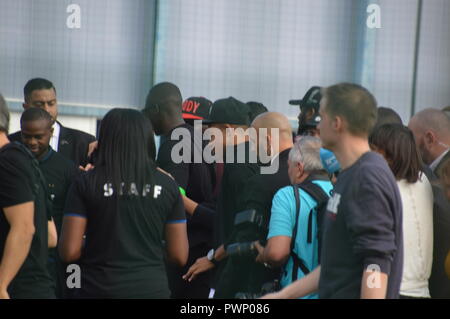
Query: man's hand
pixel 92 147
pixel 260 249
pixel 273 295
pixel 164 172
pixel 4 294
pixel 201 265
pixel 87 168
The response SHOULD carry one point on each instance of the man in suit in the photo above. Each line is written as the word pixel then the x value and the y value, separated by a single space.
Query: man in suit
pixel 431 129
pixel 71 143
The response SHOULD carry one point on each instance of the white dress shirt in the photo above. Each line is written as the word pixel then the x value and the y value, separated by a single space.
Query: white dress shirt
pixel 54 140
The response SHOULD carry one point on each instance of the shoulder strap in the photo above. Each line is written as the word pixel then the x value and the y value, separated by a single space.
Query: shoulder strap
pixel 297 262
pixel 315 191
pixel 321 198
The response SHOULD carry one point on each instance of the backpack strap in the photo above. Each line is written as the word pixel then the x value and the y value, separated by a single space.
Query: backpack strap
pixel 321 198
pixel 297 262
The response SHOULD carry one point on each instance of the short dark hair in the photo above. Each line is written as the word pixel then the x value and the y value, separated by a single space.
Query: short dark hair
pixel 355 104
pixel 4 115
pixel 36 84
pixel 35 114
pixel 398 144
pixel 387 115
pixel 166 95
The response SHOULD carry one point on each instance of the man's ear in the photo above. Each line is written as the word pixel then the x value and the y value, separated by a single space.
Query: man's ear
pixel 269 144
pixel 338 124
pixel 429 138
pixel 25 106
pixel 300 170
pixel 52 129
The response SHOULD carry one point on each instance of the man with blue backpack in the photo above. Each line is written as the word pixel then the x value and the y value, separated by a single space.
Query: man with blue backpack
pixel 294 230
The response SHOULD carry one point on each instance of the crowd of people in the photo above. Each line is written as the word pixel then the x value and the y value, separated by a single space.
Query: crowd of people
pixel 354 204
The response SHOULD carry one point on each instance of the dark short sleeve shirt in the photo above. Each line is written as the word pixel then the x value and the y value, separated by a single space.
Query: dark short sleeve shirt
pixel 20 183
pixel 123 252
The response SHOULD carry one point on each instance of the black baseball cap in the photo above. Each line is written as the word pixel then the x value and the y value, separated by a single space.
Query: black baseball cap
pixel 196 108
pixel 310 100
pixel 229 111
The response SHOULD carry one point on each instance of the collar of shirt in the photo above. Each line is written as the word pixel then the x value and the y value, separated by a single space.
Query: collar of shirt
pixel 438 160
pixel 54 140
pixel 47 156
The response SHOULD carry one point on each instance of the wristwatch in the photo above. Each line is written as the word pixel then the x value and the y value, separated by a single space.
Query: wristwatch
pixel 210 257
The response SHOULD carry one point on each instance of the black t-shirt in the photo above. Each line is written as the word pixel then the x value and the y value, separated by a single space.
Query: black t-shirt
pixel 59 172
pixel 362 227
pixel 123 256
pixel 194 177
pixel 20 183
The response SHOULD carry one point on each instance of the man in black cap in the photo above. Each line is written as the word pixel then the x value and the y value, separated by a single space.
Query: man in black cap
pixel 309 118
pixel 231 117
pixel 256 109
pixel 164 108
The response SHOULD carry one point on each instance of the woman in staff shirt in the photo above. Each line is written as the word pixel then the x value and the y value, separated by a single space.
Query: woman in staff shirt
pixel 125 208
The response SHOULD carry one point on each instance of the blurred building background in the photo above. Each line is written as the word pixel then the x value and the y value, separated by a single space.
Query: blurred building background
pixel 269 51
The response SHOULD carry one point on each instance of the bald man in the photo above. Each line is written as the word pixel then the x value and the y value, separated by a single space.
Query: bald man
pixel 431 128
pixel 164 108
pixel 274 140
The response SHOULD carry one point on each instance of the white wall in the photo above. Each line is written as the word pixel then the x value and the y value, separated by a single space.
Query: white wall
pixel 264 50
pixel 394 55
pixel 433 86
pixel 274 50
pixel 108 61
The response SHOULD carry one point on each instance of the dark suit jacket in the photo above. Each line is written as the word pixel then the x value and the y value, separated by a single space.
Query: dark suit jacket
pixel 239 274
pixel 439 283
pixel 441 164
pixel 73 144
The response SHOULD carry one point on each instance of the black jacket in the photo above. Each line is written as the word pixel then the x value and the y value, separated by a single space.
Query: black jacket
pixel 73 144
pixel 439 283
pixel 244 275
pixel 442 164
